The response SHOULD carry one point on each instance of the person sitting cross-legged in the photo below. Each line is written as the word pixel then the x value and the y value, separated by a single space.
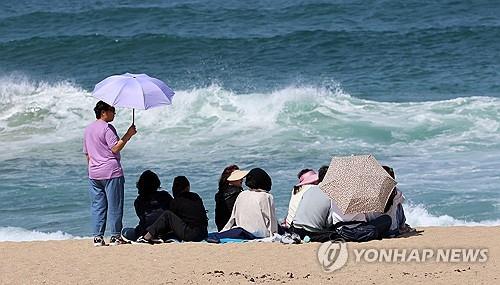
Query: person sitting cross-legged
pixel 318 213
pixel 307 179
pixel 254 208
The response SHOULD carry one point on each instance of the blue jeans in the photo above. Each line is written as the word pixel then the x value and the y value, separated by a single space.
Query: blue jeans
pixel 106 197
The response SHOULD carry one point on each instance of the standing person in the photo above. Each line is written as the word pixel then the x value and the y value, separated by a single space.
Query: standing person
pixel 149 204
pixel 229 189
pixel 102 147
pixel 254 209
pixel 186 219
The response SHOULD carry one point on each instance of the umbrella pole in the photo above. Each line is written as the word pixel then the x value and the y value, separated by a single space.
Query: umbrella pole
pixel 133 116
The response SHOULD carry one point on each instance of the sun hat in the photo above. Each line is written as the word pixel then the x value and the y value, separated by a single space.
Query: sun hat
pixel 237 175
pixel 309 177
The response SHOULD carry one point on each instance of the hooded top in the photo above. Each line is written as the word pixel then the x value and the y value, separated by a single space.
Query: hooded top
pixel 189 207
pixel 149 208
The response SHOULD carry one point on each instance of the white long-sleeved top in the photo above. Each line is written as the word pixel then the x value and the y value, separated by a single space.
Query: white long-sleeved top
pixel 295 199
pixel 254 211
pixel 337 216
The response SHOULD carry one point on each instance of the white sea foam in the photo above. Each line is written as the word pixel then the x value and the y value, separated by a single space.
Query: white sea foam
pixel 19 234
pixel 35 113
pixel 417 215
pixel 31 110
pixel 433 145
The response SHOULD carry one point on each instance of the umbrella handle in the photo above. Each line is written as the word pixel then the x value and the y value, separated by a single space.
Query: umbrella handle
pixel 133 116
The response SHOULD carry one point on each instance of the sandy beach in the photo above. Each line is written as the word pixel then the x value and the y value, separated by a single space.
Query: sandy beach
pixel 78 262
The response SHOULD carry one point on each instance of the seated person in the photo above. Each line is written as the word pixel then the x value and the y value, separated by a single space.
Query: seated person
pixel 254 209
pixel 317 212
pixel 394 209
pixel 186 220
pixel 149 204
pixel 307 179
pixel 229 189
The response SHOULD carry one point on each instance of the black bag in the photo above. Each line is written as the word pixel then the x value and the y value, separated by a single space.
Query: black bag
pixel 365 231
pixel 325 236
pixel 352 231
pixel 360 232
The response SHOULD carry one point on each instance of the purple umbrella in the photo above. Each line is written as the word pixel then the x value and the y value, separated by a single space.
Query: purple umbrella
pixel 136 91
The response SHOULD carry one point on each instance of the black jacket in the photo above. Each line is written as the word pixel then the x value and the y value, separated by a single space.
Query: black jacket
pixel 224 203
pixel 149 208
pixel 189 207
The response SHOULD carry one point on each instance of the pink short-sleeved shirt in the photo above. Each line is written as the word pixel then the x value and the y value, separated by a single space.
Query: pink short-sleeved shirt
pixel 98 139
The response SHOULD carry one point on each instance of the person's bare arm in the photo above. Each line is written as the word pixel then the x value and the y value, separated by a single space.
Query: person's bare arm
pixel 123 141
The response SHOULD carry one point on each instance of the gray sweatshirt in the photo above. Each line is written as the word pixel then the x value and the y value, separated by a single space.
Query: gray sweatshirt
pixel 317 212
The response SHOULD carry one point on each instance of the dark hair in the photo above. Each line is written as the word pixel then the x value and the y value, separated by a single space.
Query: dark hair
pixel 322 172
pixel 390 171
pixel 257 178
pixel 390 201
pixel 302 172
pixel 179 185
pixel 148 183
pixel 305 170
pixel 223 183
pixel 100 107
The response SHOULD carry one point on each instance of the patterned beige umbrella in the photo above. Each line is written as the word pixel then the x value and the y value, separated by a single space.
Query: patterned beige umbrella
pixel 358 184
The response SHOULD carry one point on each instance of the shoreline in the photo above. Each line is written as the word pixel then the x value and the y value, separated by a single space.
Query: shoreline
pixel 77 261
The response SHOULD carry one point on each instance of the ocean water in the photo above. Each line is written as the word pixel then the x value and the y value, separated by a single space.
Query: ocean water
pixel 282 85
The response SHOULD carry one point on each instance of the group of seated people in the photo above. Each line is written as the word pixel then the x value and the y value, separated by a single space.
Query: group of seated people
pixel 311 213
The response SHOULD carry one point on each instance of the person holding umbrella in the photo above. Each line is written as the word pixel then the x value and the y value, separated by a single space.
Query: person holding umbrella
pixel 317 212
pixel 102 146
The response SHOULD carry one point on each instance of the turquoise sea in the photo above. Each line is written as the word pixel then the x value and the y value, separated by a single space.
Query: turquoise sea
pixel 281 85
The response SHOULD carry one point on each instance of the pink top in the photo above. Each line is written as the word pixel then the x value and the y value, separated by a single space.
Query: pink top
pixel 98 140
